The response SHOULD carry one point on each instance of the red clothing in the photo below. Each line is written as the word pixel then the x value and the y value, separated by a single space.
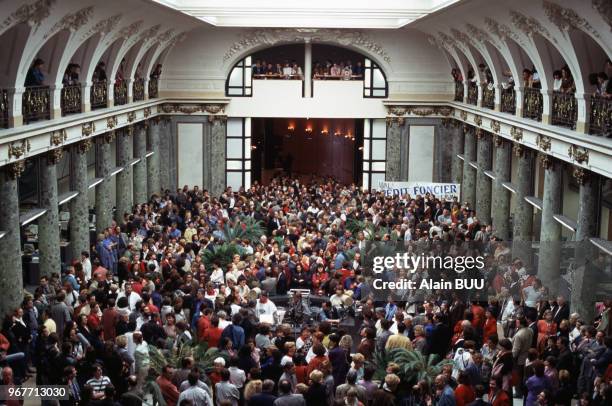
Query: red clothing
pixel 93 321
pixel 215 378
pixel 464 395
pixel 212 336
pixel 4 343
pixel 318 279
pixel 109 318
pixel 499 399
pixel 99 273
pixel 137 287
pixel 168 390
pixel 203 325
pixel 479 316
pixel 316 362
pixel 490 328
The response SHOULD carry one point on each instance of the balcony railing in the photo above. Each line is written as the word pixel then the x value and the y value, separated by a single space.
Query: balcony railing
pixel 153 91
pixel 4 108
pixel 472 97
pixel 600 122
pixel 488 97
pixel 120 93
pixel 564 110
pixel 36 104
pixel 99 95
pixel 138 90
pixel 508 101
pixel 458 91
pixel 533 104
pixel 71 99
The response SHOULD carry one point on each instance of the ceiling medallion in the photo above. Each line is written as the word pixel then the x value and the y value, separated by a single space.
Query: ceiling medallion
pixel 58 137
pixel 111 122
pixel 578 154
pixel 17 151
pixel 543 142
pixel 516 133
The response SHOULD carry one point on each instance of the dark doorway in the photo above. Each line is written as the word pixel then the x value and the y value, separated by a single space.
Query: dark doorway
pixel 307 148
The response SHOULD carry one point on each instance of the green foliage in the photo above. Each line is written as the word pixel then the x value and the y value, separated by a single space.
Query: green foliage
pixel 246 228
pixel 220 254
pixel 413 365
pixel 202 355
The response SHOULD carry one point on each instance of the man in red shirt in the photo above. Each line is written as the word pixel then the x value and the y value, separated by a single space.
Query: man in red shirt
pixel 167 388
pixel 497 396
pixel 204 323
pixel 213 334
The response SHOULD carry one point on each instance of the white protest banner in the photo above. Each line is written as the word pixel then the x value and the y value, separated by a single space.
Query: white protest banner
pixel 441 190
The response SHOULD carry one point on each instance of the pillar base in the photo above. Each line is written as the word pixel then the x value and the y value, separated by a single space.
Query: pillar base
pixel 497 107
pixel 130 99
pixel 85 108
pixel 546 119
pixel 582 127
pixel 16 121
pixel 110 103
pixel 519 113
pixel 56 113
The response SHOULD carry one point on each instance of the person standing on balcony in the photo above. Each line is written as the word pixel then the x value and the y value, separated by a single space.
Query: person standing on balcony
pixel 99 73
pixel 358 69
pixel 567 82
pixel 557 80
pixel 35 76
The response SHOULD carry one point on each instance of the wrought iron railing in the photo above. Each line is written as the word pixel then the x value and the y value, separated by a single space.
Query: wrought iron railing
pixel 153 90
pixel 99 95
pixel 4 108
pixel 71 99
pixel 472 97
pixel 600 121
pixel 138 90
pixel 564 110
pixel 488 97
pixel 508 101
pixel 458 91
pixel 36 104
pixel 120 97
pixel 533 104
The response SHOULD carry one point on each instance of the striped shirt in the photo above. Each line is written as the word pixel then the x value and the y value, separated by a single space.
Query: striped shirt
pixel 98 385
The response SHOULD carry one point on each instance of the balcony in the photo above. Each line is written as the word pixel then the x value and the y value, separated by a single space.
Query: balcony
pixel 98 97
pixel 120 94
pixel 533 105
pixel 458 92
pixel 71 99
pixel 36 104
pixel 138 89
pixel 472 96
pixel 564 110
pixel 4 108
pixel 153 88
pixel 508 101
pixel 600 121
pixel 488 97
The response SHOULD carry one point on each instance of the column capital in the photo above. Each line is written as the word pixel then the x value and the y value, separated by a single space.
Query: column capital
pixel 84 146
pixel 582 175
pixel 55 156
pixel 217 119
pixel 395 121
pixel 109 137
pixel 548 162
pixel 520 150
pixel 498 140
pixel 480 134
pixel 15 169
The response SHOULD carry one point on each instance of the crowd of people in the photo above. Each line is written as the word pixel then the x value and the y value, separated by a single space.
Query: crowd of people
pixel 321 70
pixel 188 269
pixel 286 70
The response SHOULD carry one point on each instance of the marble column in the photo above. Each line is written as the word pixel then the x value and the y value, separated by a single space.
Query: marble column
pixel 457 145
pixel 48 224
pixel 140 169
pixel 483 182
pixel 217 164
pixel 522 218
pixel 501 195
pixel 104 204
pixel 468 187
pixel 11 273
pixel 550 233
pixel 124 201
pixel 153 164
pixel 394 141
pixel 79 206
pixel 164 153
pixel 586 272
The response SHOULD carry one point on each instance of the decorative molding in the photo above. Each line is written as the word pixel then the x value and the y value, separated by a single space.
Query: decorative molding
pixel 103 27
pixel 167 108
pixel 217 119
pixel 189 109
pixel 147 112
pixel 479 34
pixel 519 150
pixel 529 25
pixel 111 122
pixel 502 31
pixel 149 35
pixel 18 150
pixel 15 169
pixel 58 137
pixel 87 129
pixel 516 133
pixel 480 134
pixel 604 8
pixel 543 142
pixel 399 121
pixel 578 154
pixel 213 108
pixel 109 136
pixel 477 120
pixel 463 115
pixel 55 156
pixel 131 116
pixel 566 18
pixel 165 36
pixel 129 30
pixel 84 146
pixel 129 132
pixel 498 140
pixel 547 161
pixel 495 126
pixel 71 22
pixel 581 175
pixel 266 37
pixel 32 14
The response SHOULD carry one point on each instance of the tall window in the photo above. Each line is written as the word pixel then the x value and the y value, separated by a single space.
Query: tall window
pixel 374 82
pixel 240 83
pixel 374 152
